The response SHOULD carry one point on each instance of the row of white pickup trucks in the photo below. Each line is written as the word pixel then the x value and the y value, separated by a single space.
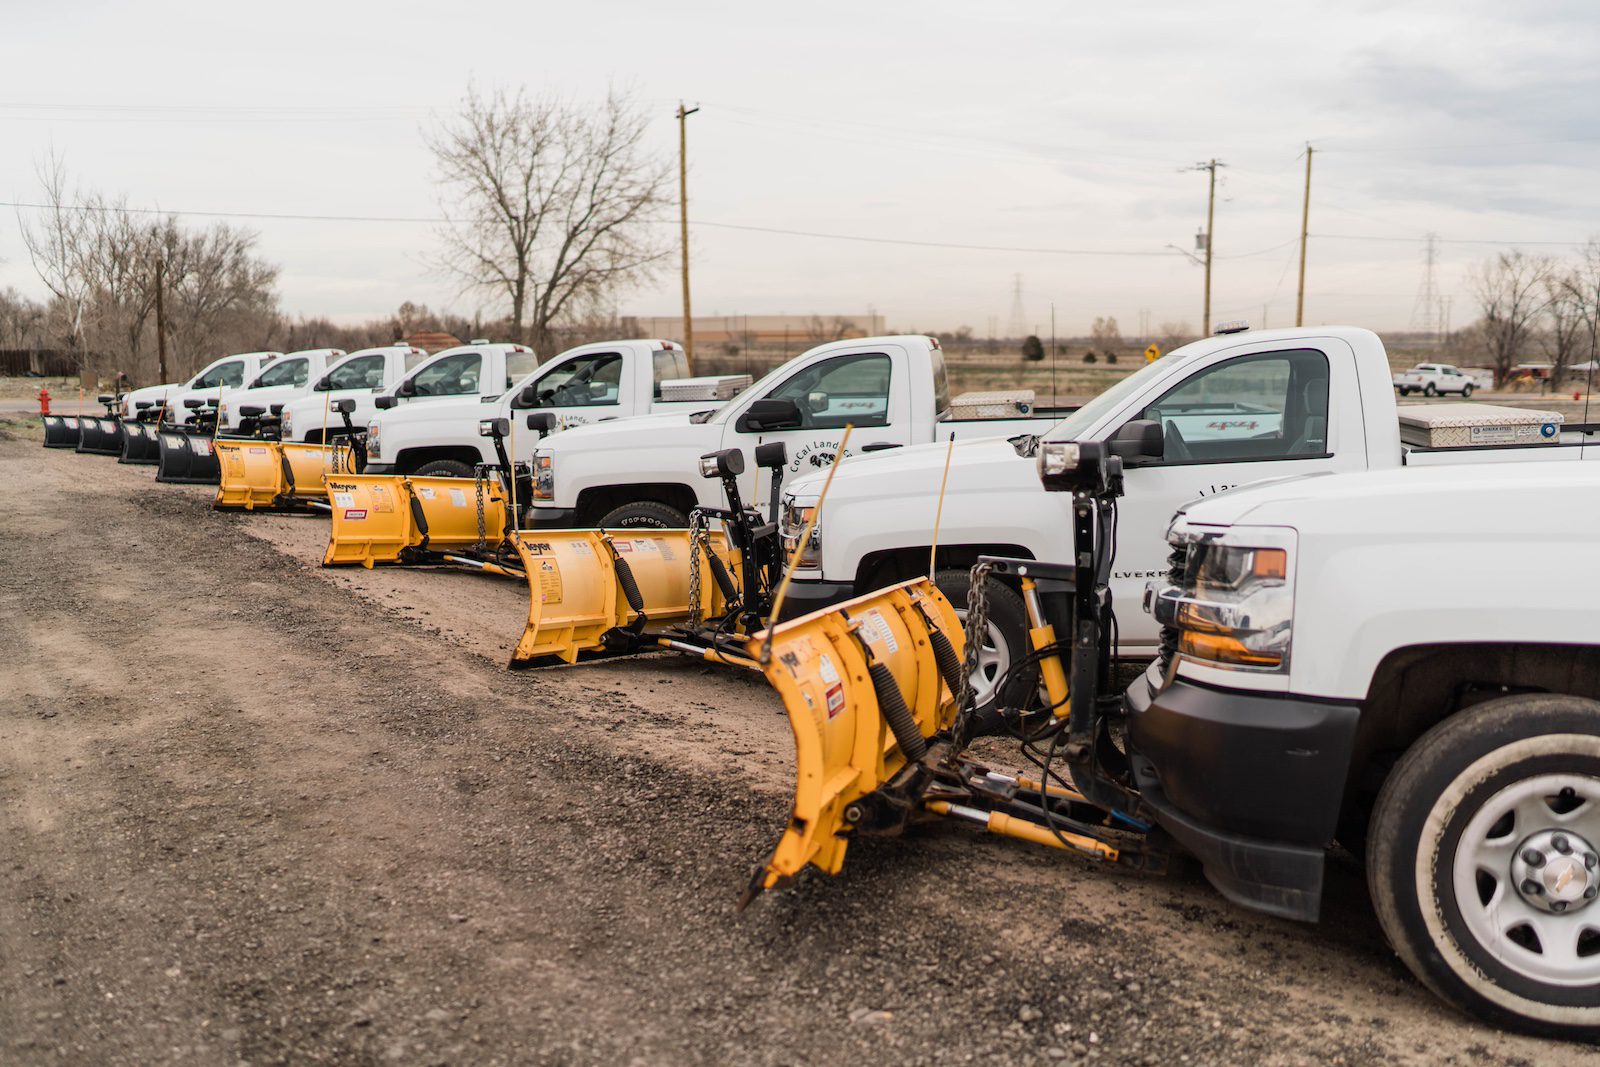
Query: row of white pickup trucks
pixel 1384 644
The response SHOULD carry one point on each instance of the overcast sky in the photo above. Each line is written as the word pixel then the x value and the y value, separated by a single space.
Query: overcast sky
pixel 1030 126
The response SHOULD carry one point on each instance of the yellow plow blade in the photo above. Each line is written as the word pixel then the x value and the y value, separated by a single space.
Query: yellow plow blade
pixel 579 586
pixel 380 518
pixel 276 474
pixel 845 744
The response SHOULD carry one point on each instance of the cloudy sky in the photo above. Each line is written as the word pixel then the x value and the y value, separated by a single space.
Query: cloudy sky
pixel 1037 131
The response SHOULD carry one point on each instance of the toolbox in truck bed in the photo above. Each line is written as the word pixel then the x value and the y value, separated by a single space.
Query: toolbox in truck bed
pixel 1469 425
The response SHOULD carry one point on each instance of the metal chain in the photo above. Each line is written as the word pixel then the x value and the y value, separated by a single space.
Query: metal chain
pixel 483 532
pixel 976 629
pixel 697 539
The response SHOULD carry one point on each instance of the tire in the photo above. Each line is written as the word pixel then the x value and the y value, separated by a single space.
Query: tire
pixel 1008 630
pixel 648 514
pixel 1466 392
pixel 1430 390
pixel 1447 854
pixel 444 468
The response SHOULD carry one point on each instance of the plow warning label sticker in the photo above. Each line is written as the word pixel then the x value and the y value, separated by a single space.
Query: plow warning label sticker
pixel 833 688
pixel 425 493
pixel 355 513
pixel 381 500
pixel 344 500
pixel 549 582
pixel 203 446
pixel 876 630
pixel 257 451
pixel 458 497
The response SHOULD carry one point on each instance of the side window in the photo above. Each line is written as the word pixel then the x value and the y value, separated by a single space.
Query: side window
pixel 1273 405
pixel 290 372
pixel 232 375
pixel 519 365
pixel 668 366
pixel 363 372
pixel 451 376
pixel 586 381
pixel 844 389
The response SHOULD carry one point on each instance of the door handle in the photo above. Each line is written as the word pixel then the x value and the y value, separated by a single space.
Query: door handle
pixel 879 446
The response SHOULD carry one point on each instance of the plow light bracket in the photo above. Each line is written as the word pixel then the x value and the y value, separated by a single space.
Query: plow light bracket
pixel 724 463
pixel 494 427
pixel 384 403
pixel 1077 466
pixel 542 423
pixel 193 402
pixel 772 454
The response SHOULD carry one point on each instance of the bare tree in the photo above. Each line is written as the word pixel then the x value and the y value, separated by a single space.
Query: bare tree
pixel 55 239
pixel 1106 335
pixel 221 294
pixel 1583 282
pixel 551 203
pixel 1510 290
pixel 1174 335
pixel 1566 331
pixel 836 328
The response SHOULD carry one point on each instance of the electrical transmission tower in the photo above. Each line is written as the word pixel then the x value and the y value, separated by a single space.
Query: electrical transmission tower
pixel 1425 311
pixel 1017 327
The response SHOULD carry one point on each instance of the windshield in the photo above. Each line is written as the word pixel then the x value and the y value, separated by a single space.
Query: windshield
pixel 230 375
pixel 285 372
pixel 1075 425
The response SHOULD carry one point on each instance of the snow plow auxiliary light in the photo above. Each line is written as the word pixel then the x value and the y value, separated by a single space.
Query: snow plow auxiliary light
pixel 727 463
pixel 494 427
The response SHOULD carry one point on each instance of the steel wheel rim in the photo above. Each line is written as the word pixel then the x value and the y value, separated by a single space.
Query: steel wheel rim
pixel 993 661
pixel 1563 949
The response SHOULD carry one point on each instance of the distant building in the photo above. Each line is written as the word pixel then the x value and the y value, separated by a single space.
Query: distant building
pixel 431 341
pixel 746 330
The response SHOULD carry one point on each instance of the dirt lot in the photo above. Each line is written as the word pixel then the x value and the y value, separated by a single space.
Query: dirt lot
pixel 255 812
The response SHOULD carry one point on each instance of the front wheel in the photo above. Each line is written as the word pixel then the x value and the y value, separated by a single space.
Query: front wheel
pixel 645 514
pixel 1430 390
pixel 1483 859
pixel 1005 643
pixel 444 468
pixel 1466 392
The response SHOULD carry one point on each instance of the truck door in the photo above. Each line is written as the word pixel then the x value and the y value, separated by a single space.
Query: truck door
pixel 1240 420
pixel 866 390
pixel 577 390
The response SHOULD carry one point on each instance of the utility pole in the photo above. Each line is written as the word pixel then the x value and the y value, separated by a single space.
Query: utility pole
pixel 1211 209
pixel 683 220
pixel 1305 219
pixel 161 320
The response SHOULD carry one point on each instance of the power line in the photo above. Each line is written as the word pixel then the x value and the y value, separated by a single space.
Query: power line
pixel 1442 240
pixel 435 220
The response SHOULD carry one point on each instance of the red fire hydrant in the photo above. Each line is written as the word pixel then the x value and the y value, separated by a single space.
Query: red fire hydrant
pixel 44 401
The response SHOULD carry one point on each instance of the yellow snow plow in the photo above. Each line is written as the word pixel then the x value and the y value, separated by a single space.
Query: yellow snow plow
pixel 877 694
pixel 382 518
pixel 262 475
pixel 596 591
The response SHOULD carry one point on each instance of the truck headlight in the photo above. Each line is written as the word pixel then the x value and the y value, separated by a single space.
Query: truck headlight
pixel 286 425
pixel 374 446
pixel 1235 608
pixel 544 476
pixel 791 526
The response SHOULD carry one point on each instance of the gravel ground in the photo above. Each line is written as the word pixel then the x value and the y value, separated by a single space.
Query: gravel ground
pixel 255 812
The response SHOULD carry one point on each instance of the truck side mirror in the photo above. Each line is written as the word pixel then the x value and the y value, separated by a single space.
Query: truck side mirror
pixel 323 384
pixel 542 423
pixel 772 454
pixel 406 388
pixel 1139 441
pixel 347 406
pixel 385 402
pixel 528 396
pixel 770 413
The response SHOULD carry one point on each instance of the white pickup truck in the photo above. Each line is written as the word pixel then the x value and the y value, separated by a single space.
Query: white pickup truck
pixel 1315 684
pixel 284 379
pixel 166 401
pixel 591 383
pixel 1235 408
pixel 1435 379
pixel 646 471
pixel 361 376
